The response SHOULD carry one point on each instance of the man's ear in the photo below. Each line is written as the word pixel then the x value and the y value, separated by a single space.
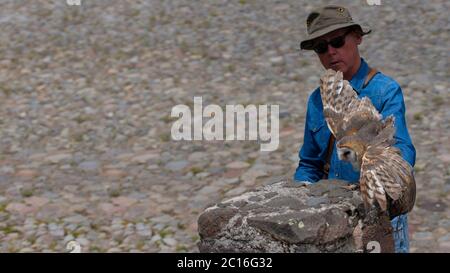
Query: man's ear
pixel 358 38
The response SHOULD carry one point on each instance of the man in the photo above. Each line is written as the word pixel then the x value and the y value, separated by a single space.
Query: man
pixel 335 37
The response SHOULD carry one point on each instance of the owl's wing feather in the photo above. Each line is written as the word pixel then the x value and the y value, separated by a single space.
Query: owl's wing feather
pixel 384 171
pixel 344 113
pixel 373 189
pixel 336 95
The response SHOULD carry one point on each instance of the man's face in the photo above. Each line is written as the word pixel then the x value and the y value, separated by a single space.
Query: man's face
pixel 346 58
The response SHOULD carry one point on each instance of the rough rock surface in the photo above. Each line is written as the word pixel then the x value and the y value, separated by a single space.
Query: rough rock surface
pixel 293 217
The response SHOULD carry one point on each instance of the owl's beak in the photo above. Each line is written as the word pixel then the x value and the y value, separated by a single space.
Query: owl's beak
pixel 346 154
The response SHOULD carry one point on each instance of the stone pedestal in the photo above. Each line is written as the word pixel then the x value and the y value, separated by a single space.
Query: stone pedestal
pixel 294 217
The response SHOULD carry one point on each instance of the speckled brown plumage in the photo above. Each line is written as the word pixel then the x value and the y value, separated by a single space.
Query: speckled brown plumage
pixel 365 140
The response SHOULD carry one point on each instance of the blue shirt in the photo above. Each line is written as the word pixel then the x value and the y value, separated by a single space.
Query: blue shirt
pixel 387 97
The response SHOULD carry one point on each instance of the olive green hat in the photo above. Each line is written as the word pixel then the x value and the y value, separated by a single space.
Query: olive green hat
pixel 325 20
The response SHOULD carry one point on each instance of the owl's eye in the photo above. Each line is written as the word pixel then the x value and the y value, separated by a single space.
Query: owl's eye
pixel 346 153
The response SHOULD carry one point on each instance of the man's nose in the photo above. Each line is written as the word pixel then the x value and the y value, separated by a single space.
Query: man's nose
pixel 331 50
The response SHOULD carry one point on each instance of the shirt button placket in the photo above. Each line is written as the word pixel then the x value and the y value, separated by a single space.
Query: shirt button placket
pixel 336 163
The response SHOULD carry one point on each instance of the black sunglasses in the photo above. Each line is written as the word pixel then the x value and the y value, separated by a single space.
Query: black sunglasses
pixel 321 46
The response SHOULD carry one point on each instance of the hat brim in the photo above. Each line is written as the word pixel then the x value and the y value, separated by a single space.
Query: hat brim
pixel 308 43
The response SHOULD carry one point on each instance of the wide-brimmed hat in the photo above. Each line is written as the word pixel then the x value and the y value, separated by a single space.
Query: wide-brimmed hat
pixel 325 20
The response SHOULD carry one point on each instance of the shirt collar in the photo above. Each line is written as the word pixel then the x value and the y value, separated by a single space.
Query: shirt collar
pixel 357 80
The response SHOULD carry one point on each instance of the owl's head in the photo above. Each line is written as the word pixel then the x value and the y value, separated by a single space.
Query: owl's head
pixel 351 149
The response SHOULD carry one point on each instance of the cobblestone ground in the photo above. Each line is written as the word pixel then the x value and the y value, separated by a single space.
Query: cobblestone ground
pixel 86 94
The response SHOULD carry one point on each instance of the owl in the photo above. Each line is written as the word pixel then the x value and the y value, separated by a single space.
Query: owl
pixel 365 140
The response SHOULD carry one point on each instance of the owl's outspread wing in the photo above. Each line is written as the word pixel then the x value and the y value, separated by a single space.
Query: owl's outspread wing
pixel 344 112
pixel 386 178
pixel 366 140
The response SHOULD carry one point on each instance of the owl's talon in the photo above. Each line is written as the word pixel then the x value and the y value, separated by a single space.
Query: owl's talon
pixel 351 187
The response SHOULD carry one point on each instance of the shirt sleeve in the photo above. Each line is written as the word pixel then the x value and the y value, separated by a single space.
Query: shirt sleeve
pixel 394 104
pixel 310 167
